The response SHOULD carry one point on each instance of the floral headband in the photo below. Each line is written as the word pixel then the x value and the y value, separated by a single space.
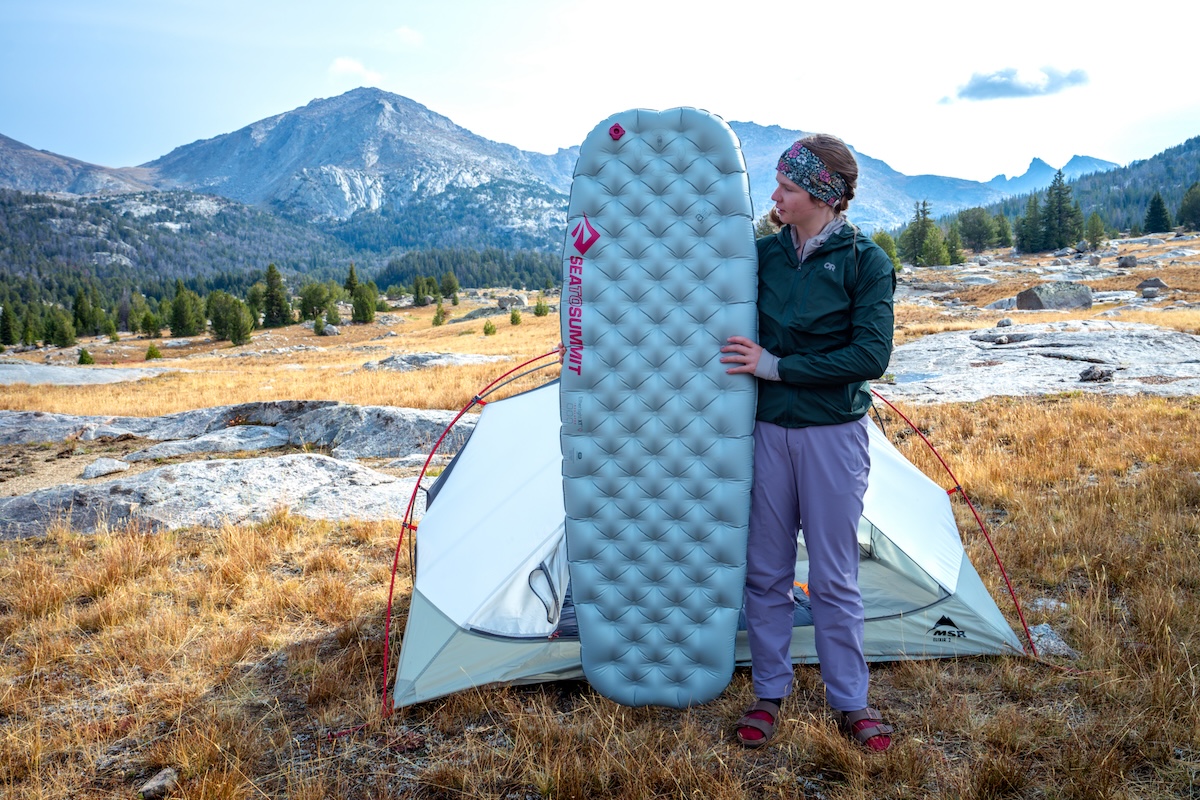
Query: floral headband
pixel 806 169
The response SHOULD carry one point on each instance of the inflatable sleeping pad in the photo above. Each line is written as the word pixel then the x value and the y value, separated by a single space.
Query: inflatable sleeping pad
pixel 659 267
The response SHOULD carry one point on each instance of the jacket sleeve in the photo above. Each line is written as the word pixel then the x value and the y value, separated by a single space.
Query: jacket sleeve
pixel 865 356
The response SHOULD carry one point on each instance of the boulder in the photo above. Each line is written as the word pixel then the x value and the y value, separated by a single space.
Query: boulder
pixel 1153 283
pixel 1049 643
pixel 103 466
pixel 1127 262
pixel 1055 295
pixel 1094 374
pixel 511 301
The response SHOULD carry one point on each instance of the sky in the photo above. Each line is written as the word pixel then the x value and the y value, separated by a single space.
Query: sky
pixel 968 90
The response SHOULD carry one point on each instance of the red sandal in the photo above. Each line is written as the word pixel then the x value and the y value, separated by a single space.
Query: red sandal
pixel 761 718
pixel 867 728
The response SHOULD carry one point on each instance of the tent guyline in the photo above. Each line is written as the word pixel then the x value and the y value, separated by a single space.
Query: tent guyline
pixel 978 519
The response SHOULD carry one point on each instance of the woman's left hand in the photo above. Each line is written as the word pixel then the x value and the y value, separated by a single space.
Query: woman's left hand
pixel 743 352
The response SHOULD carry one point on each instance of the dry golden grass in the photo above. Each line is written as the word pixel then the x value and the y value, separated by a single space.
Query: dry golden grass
pixel 229 654
pixel 201 380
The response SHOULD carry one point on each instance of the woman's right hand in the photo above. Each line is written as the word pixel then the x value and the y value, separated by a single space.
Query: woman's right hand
pixel 743 352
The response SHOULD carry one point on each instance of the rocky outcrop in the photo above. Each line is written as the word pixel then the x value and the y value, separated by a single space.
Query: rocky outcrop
pixel 17 371
pixel 212 493
pixel 407 362
pixel 349 431
pixel 1038 359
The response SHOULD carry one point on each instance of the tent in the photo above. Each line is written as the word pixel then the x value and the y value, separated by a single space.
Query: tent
pixel 491 600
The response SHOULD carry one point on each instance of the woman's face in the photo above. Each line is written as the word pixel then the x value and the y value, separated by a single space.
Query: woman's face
pixel 795 206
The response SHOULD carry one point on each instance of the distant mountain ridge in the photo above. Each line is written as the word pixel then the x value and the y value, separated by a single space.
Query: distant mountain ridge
pixel 1039 175
pixel 381 171
pixel 29 170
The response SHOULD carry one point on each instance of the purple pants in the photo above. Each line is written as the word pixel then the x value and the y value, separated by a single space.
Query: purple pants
pixel 818 475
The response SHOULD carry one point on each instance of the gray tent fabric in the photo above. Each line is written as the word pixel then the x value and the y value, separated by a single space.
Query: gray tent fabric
pixel 659 269
pixel 491 600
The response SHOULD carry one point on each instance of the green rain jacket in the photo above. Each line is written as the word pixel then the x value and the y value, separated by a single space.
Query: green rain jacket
pixel 830 322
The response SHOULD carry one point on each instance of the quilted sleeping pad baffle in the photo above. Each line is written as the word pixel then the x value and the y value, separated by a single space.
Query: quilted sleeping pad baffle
pixel 659 268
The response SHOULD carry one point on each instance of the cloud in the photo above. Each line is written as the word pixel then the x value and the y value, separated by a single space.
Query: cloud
pixel 1007 83
pixel 408 37
pixel 353 67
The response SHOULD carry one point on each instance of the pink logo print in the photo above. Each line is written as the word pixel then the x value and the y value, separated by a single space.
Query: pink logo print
pixel 585 236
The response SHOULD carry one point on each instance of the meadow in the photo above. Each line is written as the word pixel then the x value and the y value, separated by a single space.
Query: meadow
pixel 249 659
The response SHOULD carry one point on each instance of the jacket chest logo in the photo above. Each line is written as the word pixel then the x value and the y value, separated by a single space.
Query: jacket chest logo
pixel 830 267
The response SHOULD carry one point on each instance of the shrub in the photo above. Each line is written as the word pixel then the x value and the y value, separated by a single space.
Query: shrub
pixel 152 352
pixel 439 316
pixel 332 317
pixel 541 308
pixel 489 328
pixel 515 317
pixel 319 325
pixel 85 357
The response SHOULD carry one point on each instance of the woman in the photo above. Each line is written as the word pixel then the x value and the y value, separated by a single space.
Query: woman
pixel 825 329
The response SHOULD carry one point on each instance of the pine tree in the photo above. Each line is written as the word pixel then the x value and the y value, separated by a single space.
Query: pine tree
pixel 1158 219
pixel 1004 236
pixel 277 311
pixel 1061 222
pixel 230 318
pixel 514 316
pixel 363 303
pixel 913 239
pixel 1189 209
pixel 85 357
pixel 439 315
pixel 888 245
pixel 313 299
pixel 256 298
pixel 935 252
pixel 1094 233
pixel 187 312
pixel 953 242
pixel 151 325
pixel 449 287
pixel 977 229
pixel 8 325
pixel 1029 233
pixel 82 312
pixel 29 329
pixel 351 281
